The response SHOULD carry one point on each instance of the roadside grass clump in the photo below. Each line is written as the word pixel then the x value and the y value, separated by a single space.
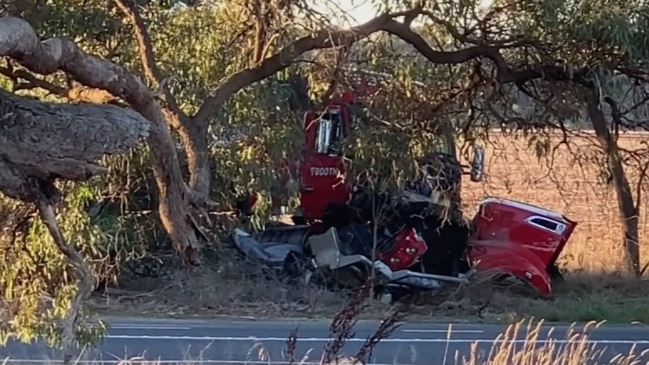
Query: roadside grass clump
pixel 595 297
pixel 583 297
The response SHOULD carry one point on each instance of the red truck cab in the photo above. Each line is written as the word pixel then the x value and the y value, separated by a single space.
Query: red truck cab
pixel 322 170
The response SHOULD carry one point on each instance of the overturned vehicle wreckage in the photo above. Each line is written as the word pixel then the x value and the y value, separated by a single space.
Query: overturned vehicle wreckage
pixel 421 240
pixel 420 252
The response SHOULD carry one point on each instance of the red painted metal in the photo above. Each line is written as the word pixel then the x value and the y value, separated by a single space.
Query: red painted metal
pixel 408 249
pixel 519 238
pixel 322 176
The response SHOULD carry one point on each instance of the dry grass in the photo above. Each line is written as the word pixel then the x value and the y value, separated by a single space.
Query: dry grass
pixel 567 181
pixel 521 343
pixel 573 350
pixel 228 286
pixel 235 288
pixel 582 298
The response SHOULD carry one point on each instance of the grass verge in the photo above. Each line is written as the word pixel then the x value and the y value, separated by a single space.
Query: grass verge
pixel 595 297
pixel 234 287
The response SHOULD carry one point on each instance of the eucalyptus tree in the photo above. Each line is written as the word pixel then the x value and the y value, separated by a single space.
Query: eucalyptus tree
pixel 475 61
pixel 544 64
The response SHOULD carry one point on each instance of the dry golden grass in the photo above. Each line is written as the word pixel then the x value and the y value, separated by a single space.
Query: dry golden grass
pixel 230 286
pixel 535 349
pixel 567 181
pixel 576 350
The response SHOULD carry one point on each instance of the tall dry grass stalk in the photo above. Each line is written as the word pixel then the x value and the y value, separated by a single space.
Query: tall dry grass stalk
pixel 522 344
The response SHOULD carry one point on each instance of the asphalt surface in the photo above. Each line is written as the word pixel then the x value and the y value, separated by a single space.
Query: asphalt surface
pixel 239 342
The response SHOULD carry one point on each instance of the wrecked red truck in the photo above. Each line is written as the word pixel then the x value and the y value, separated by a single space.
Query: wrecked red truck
pixel 421 240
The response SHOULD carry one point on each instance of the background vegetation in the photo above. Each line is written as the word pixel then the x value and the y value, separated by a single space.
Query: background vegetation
pixel 562 81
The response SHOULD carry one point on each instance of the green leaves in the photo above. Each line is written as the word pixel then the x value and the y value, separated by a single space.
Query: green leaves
pixel 200 46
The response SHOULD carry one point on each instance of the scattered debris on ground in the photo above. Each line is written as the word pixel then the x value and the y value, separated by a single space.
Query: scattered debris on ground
pixel 231 286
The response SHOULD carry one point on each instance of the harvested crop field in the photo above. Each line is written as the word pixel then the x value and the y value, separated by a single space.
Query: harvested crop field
pixel 569 179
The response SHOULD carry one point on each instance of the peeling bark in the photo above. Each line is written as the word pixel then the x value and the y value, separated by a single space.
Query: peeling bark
pixel 42 142
pixel 627 210
pixel 19 42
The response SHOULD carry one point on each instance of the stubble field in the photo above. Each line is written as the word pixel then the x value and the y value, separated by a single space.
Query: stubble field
pixel 570 181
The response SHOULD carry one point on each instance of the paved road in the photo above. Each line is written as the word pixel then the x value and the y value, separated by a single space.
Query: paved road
pixel 232 342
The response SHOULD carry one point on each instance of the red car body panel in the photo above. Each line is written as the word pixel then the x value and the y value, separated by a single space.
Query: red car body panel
pixel 519 238
pixel 408 249
pixel 510 259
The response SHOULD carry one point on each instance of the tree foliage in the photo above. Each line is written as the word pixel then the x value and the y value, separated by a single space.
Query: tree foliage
pixel 234 81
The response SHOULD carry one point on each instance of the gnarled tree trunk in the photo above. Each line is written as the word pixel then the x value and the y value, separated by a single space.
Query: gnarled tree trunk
pixel 193 133
pixel 177 202
pixel 42 142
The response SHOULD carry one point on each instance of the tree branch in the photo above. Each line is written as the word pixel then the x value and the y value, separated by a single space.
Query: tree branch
pixel 148 60
pixel 19 41
pixel 61 140
pixel 81 271
pixel 80 94
pixel 33 81
pixel 187 128
pixel 385 22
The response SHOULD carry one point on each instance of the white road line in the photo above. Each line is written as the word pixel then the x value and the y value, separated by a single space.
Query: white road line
pixel 161 328
pixel 138 327
pixel 396 340
pixel 156 362
pixel 443 331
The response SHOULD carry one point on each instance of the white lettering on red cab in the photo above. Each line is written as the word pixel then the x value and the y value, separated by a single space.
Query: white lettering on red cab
pixel 324 171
